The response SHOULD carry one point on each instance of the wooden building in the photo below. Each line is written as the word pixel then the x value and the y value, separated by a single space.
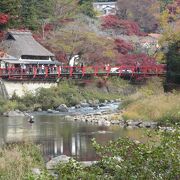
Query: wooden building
pixel 25 50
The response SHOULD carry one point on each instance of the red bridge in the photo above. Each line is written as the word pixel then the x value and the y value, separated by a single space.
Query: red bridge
pixel 50 73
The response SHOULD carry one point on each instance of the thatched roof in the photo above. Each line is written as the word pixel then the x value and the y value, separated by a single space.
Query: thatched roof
pixel 18 43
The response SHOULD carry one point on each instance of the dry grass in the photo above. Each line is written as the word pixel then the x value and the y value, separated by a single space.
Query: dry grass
pixel 16 161
pixel 156 107
pixel 151 103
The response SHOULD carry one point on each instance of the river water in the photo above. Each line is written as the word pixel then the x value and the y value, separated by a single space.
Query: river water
pixel 57 136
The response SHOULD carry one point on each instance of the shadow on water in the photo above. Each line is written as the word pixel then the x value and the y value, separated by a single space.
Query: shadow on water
pixel 58 136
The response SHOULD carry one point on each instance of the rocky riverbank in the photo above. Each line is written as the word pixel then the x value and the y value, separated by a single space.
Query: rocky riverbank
pixel 102 114
pixel 107 119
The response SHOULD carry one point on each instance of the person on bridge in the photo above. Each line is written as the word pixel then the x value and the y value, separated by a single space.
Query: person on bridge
pixel 138 67
pixel 42 69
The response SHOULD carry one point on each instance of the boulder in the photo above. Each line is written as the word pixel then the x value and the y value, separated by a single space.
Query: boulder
pixel 50 111
pixel 62 108
pixel 39 110
pixel 54 161
pixel 105 101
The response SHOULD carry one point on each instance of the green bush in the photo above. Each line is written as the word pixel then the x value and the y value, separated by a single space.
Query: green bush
pixel 67 92
pixel 126 159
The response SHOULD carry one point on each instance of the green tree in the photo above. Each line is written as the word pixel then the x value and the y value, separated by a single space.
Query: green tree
pixel 86 7
pixel 13 9
pixel 29 14
pixel 173 60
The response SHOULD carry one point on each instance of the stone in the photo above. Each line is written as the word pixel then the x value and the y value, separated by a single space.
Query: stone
pixel 77 106
pixel 39 110
pixel 54 161
pixel 62 108
pixel 133 123
pixel 149 124
pixel 105 101
pixel 50 111
pixel 102 104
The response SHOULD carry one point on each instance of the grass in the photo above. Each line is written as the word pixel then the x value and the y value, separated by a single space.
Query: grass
pixel 17 161
pixel 150 103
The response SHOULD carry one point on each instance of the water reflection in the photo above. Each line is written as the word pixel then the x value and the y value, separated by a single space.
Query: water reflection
pixel 58 136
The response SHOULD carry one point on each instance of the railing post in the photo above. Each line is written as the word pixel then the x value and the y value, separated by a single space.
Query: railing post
pixel 71 71
pixel 108 70
pixel 95 70
pixel 34 71
pixel 46 72
pixel 59 71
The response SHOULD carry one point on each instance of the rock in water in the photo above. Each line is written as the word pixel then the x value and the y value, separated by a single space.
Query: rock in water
pixel 62 108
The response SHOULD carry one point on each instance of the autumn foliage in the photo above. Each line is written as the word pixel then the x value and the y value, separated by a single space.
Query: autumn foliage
pixel 3 18
pixel 122 46
pixel 133 59
pixel 127 27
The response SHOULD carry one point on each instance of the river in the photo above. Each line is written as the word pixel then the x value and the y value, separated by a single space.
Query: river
pixel 57 136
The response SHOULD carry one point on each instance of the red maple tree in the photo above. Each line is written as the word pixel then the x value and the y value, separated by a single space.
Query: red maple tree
pixel 134 59
pixel 122 46
pixel 127 27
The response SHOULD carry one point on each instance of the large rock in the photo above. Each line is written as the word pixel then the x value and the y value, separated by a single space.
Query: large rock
pixel 15 113
pixel 55 161
pixel 62 108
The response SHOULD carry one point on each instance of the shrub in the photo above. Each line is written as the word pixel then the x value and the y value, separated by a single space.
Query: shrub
pixel 127 159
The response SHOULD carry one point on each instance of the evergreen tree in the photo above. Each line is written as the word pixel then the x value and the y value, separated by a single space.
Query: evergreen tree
pixel 173 61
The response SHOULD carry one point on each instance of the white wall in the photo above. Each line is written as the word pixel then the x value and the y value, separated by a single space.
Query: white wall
pixel 21 87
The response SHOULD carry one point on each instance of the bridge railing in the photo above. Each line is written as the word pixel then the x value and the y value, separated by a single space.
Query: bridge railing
pixel 58 71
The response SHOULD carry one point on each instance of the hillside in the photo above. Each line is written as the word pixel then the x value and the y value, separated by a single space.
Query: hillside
pixel 71 27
